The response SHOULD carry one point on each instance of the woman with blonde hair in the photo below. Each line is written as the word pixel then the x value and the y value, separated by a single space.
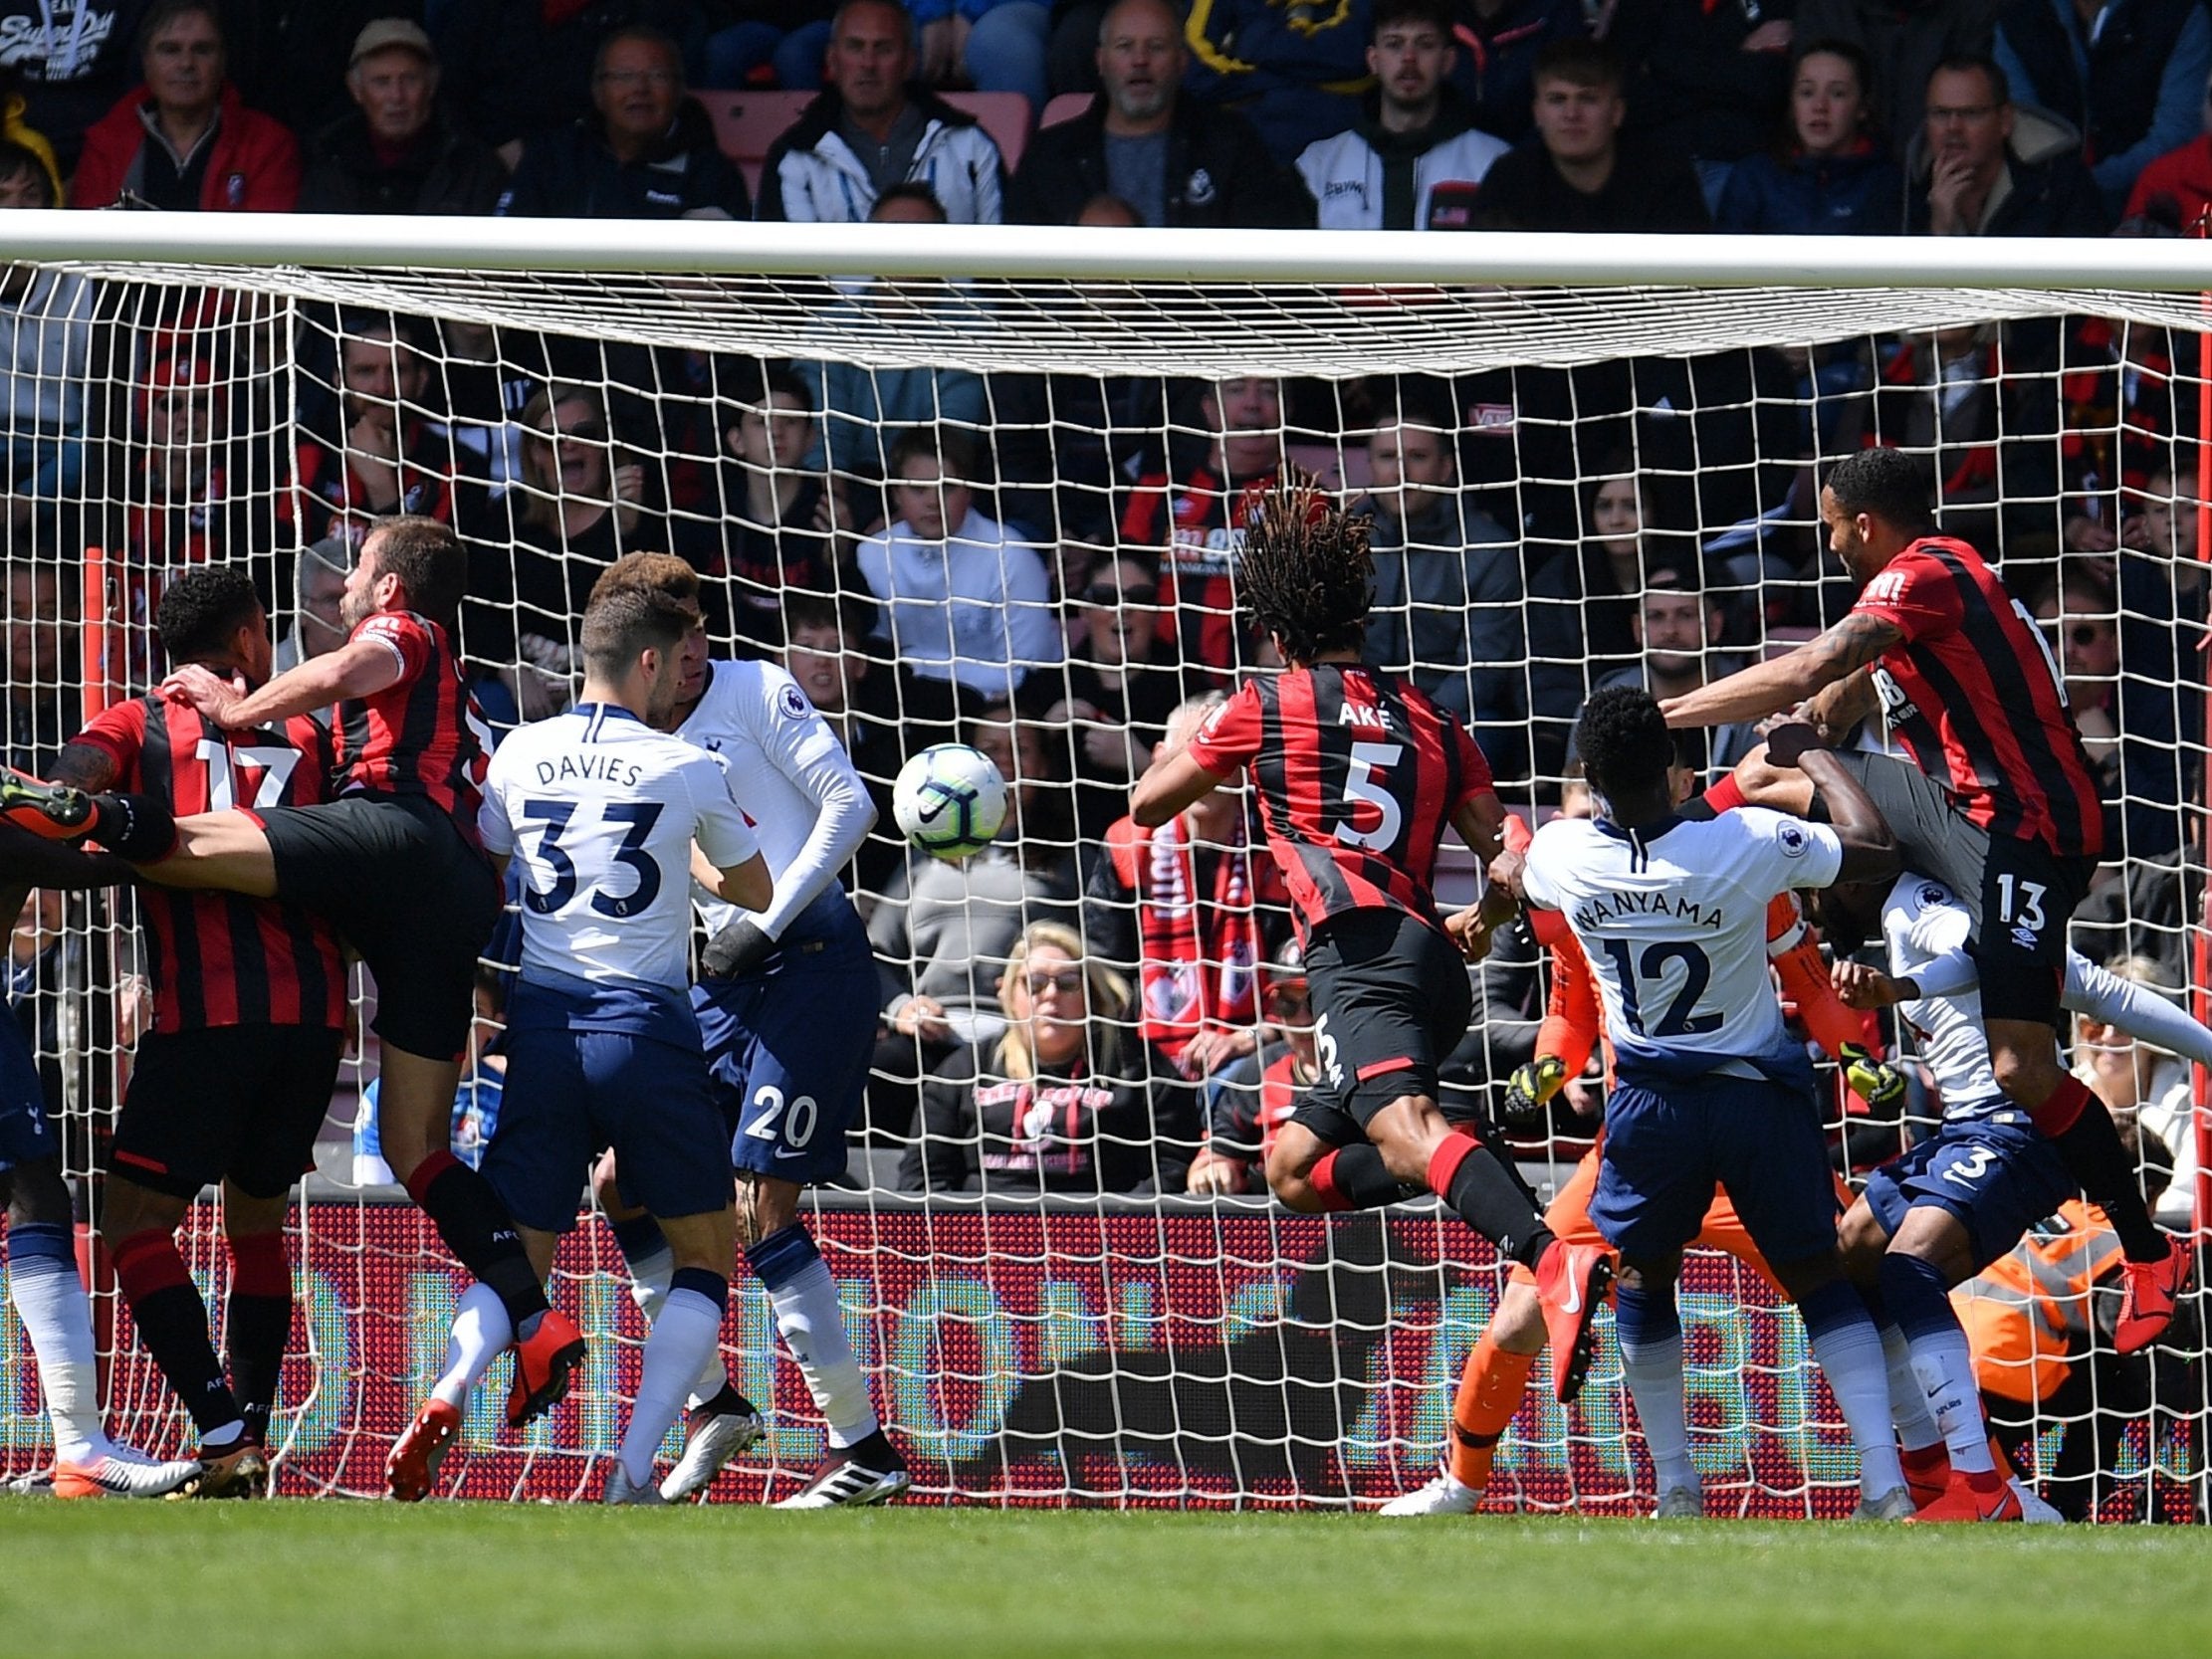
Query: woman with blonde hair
pixel 1067 1099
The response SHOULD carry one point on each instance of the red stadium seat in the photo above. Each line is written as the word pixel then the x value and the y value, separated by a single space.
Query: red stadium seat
pixel 1066 108
pixel 1004 115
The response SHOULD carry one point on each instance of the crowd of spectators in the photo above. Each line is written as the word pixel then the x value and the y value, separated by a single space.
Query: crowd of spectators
pixel 1044 564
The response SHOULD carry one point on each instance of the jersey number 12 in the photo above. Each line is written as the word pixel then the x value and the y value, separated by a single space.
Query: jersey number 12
pixel 1677 1021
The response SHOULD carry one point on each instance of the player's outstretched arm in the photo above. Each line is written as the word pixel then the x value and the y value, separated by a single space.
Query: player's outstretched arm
pixel 359 669
pixel 1773 687
pixel 2136 1009
pixel 1171 784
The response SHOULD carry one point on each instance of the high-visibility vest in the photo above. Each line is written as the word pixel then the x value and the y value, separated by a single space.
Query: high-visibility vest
pixel 2028 1316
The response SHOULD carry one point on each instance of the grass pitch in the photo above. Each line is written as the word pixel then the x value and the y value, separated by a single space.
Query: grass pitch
pixel 484 1580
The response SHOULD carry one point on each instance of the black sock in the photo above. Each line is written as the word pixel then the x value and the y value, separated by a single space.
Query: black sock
pixel 1362 1179
pixel 255 1331
pixel 875 1451
pixel 2094 1154
pixel 476 1229
pixel 1490 1198
pixel 172 1327
pixel 139 828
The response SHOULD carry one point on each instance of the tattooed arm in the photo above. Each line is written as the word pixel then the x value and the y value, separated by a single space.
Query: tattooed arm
pixel 1772 687
pixel 1834 709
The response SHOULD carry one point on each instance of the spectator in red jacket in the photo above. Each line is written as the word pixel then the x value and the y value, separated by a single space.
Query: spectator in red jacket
pixel 2174 193
pixel 184 140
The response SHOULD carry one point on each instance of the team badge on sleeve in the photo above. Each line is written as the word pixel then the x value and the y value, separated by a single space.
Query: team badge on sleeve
pixel 792 702
pixel 1795 843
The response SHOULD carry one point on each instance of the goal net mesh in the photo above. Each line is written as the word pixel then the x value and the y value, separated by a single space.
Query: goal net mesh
pixel 1585 483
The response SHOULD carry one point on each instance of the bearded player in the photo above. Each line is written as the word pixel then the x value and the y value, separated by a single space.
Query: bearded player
pixel 394 863
pixel 2002 809
pixel 1359 775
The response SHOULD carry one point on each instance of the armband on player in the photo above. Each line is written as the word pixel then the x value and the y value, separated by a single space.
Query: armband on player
pixel 1531 1087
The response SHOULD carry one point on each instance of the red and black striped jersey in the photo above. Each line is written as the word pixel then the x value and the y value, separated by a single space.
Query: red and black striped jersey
pixel 221 959
pixel 421 734
pixel 1197 522
pixel 1358 776
pixel 1976 696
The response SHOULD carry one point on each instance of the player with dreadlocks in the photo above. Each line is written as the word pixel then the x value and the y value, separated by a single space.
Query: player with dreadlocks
pixel 1358 776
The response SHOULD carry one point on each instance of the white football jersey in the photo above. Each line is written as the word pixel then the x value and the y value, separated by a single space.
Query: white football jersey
pixel 756 720
pixel 602 811
pixel 1921 921
pixel 1674 923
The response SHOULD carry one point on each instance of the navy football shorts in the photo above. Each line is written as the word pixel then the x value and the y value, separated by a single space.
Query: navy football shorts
pixel 1997 1174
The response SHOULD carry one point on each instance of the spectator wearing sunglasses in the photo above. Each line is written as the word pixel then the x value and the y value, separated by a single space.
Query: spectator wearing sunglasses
pixel 1069 1098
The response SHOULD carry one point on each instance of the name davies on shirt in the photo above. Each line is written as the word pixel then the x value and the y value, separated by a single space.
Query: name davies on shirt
pixel 591 769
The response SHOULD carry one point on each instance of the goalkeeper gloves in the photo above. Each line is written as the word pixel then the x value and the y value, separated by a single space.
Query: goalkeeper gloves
pixel 1875 1081
pixel 737 950
pixel 1530 1088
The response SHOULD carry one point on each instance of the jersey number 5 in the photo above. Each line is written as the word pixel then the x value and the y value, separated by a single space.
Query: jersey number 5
pixel 1362 787
pixel 639 816
pixel 1678 1021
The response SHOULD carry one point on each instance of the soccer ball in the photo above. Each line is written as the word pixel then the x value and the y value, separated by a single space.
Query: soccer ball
pixel 949 801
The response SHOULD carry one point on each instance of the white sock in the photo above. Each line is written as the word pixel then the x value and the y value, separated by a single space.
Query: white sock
pixel 1654 1369
pixel 813 1326
pixel 649 1281
pixel 58 1317
pixel 688 1329
pixel 1850 1357
pixel 1945 1364
pixel 1909 1400
pixel 481 1334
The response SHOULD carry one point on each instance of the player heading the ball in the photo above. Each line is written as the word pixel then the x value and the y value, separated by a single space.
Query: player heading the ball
pixel 1359 775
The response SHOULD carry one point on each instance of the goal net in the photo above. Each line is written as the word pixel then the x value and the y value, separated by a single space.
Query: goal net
pixel 1589 459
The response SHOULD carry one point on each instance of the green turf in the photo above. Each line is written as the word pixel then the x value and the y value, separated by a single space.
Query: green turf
pixel 483 1581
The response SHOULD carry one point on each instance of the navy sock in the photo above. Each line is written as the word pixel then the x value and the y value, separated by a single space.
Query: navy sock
pixel 715 1287
pixel 1916 1296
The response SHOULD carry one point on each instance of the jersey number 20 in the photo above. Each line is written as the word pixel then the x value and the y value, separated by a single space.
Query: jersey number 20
pixel 1677 1021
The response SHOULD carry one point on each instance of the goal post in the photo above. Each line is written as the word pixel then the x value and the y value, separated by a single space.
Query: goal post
pixel 1589 452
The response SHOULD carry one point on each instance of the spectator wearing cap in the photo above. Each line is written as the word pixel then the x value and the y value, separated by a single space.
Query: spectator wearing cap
pixel 1577 175
pixel 184 140
pixel 1674 627
pixel 872 128
pixel 1175 161
pixel 646 151
pixel 395 152
pixel 2128 74
pixel 1416 161
pixel 1192 908
pixel 1983 167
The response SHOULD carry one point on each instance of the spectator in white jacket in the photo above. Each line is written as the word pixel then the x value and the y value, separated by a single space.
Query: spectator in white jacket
pixel 964 607
pixel 869 130
pixel 1416 161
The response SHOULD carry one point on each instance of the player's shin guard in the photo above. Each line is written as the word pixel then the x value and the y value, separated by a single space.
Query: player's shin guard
pixel 480 1333
pixel 2087 1141
pixel 807 1313
pixel 172 1325
pixel 652 1267
pixel 1491 1390
pixel 1488 1197
pixel 1354 1178
pixel 1941 1358
pixel 50 1300
pixel 256 1323
pixel 1650 1336
pixel 1849 1355
pixel 476 1229
pixel 686 1332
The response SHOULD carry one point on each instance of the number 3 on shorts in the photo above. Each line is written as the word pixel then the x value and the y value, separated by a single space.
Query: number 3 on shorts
pixel 798 1121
